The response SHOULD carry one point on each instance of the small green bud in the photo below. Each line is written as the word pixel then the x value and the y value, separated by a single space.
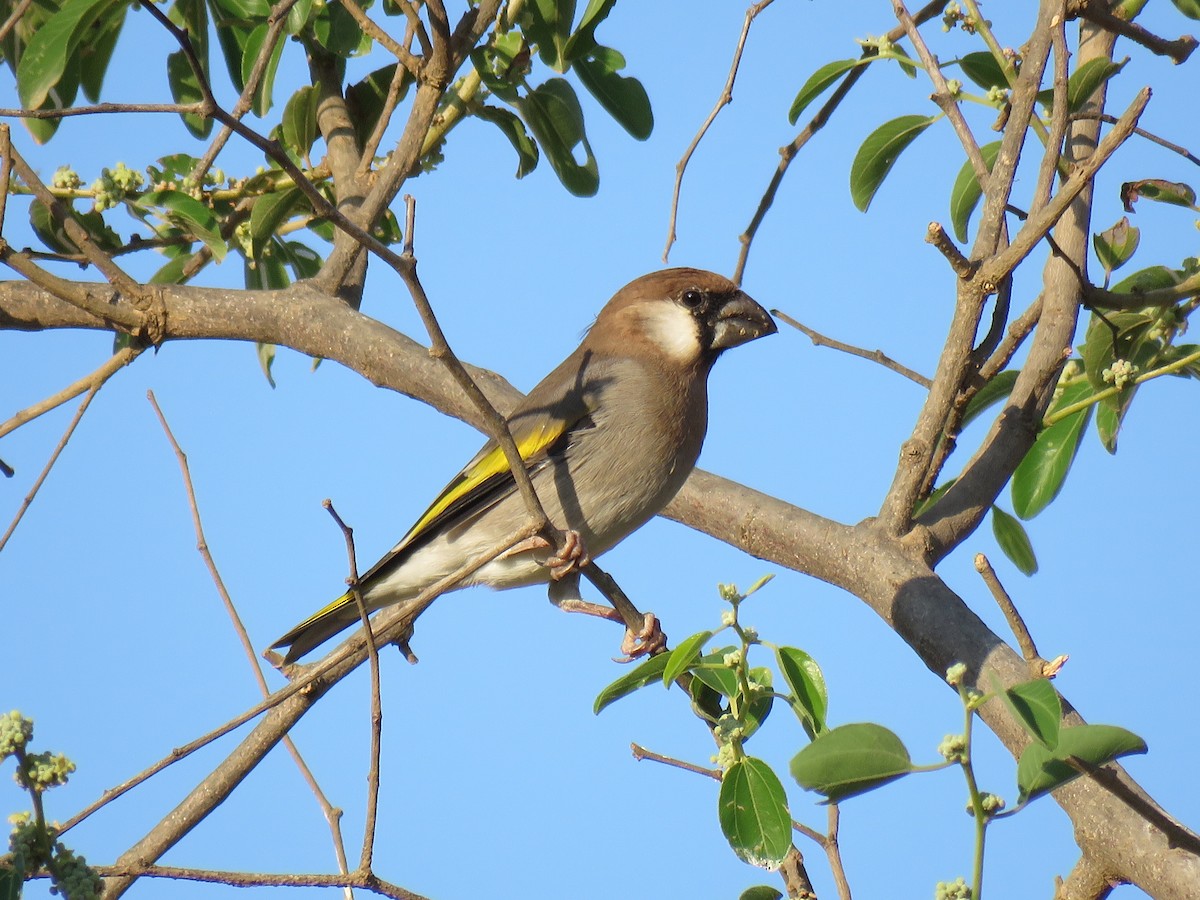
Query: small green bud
pixel 953 747
pixel 956 673
pixel 952 890
pixel 15 732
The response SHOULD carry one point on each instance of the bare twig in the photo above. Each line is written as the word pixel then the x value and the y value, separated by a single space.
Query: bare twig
pixel 943 96
pixel 936 235
pixel 14 17
pixel 385 40
pixel 385 117
pixel 640 753
pixel 99 109
pixel 365 881
pixel 1140 132
pixel 815 124
pixel 1059 118
pixel 723 100
pixel 122 357
pixel 368 845
pixel 332 814
pixel 877 356
pixel 1015 622
pixel 50 463
pixel 1099 13
pixel 5 169
pixel 1040 222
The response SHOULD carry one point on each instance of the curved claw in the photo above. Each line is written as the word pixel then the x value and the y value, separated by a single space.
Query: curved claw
pixel 649 639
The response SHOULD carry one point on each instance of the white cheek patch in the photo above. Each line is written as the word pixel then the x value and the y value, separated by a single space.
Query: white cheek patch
pixel 672 328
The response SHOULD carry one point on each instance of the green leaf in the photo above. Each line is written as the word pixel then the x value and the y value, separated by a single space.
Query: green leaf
pixel 584 38
pixel 753 811
pixel 1115 245
pixel 304 260
pixel 647 673
pixel 300 121
pixel 366 98
pixel 184 210
pixel 925 505
pixel 547 23
pixel 983 69
pixel 713 672
pixel 269 212
pixel 266 359
pixel 991 393
pixel 760 707
pixel 965 194
pixel 337 32
pixel 818 81
pixel 11 881
pixel 1087 78
pixel 95 52
pixel 172 272
pixel 879 153
pixel 1040 771
pixel 1036 705
pixel 851 759
pixel 1151 278
pixel 807 684
pixel 1174 193
pixel 232 39
pixel 1010 535
pixel 1190 8
pixel 622 98
pixel 44 60
pixel 683 656
pixel 553 115
pixel 1040 475
pixel 760 892
pixel 185 88
pixel 250 54
pixel 513 129
pixel 298 16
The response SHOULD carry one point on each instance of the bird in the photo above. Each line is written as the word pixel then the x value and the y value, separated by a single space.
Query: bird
pixel 608 438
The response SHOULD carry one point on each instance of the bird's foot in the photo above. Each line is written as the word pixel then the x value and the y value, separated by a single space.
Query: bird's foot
pixel 571 557
pixel 646 640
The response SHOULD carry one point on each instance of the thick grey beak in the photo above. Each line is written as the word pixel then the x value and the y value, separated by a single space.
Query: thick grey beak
pixel 739 320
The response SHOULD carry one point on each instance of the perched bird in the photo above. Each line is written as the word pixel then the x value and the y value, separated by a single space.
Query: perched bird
pixel 608 439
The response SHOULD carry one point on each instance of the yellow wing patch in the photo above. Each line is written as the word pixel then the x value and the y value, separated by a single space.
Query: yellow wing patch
pixel 491 464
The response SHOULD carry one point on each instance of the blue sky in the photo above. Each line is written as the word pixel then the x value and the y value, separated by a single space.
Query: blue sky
pixel 497 778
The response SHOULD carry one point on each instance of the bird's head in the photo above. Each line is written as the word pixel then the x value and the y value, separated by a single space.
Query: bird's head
pixel 684 317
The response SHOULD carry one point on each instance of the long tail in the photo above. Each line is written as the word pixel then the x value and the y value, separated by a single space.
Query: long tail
pixel 318 628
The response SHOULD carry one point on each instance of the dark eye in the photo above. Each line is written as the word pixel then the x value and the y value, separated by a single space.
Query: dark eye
pixel 692 299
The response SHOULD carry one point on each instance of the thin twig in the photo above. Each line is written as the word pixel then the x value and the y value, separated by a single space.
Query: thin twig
pixel 385 117
pixel 815 124
pixel 368 845
pixel 877 356
pixel 122 357
pixel 366 881
pixel 1099 13
pixel 98 109
pixel 1110 119
pixel 1024 639
pixel 14 17
pixel 5 169
pixel 640 753
pixel 1059 118
pixel 303 677
pixel 834 852
pixel 943 96
pixel 87 401
pixel 385 40
pixel 276 21
pixel 936 235
pixel 723 100
pixel 332 814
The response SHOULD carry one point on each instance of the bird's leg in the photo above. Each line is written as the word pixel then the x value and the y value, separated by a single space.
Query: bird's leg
pixel 568 559
pixel 564 593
